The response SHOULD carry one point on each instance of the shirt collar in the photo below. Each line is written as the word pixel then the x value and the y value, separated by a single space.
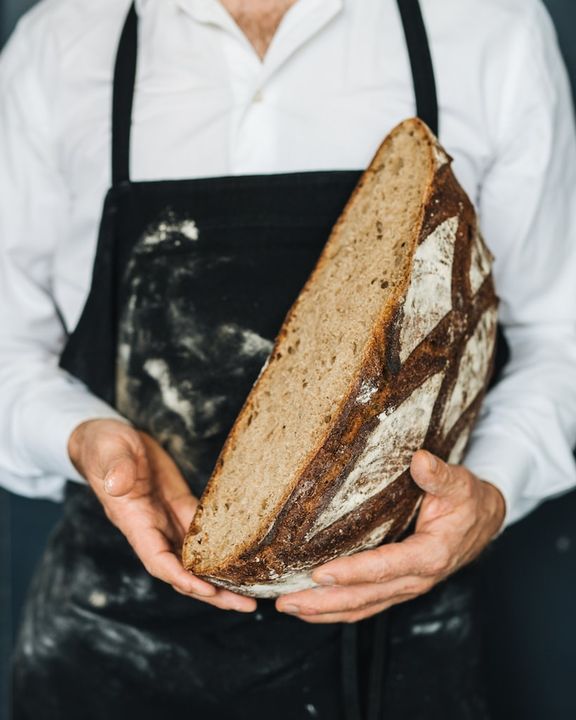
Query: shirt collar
pixel 141 6
pixel 195 5
pixel 307 17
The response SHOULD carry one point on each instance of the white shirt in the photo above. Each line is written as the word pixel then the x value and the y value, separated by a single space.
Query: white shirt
pixel 335 80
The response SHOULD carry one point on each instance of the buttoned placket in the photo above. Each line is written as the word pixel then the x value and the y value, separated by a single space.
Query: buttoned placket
pixel 253 139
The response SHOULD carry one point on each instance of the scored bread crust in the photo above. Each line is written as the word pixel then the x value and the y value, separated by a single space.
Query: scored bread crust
pixel 280 558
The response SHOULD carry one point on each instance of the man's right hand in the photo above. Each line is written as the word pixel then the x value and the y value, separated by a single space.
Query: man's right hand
pixel 144 494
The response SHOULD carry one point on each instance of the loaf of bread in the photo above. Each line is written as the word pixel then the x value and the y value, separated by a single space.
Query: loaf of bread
pixel 387 349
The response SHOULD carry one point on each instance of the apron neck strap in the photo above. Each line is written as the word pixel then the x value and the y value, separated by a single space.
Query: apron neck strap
pixel 123 96
pixel 420 62
pixel 125 76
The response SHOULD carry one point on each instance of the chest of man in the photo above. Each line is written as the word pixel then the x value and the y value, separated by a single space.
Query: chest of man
pixel 258 19
pixel 333 79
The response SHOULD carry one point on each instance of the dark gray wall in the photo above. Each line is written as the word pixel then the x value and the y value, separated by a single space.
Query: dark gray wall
pixel 10 11
pixel 5 600
pixel 564 15
pixel 527 582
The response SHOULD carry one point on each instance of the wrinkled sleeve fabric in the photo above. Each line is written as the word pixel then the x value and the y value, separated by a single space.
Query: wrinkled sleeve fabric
pixel 40 404
pixel 527 429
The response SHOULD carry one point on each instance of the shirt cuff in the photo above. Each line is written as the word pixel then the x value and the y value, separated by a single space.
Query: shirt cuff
pixel 48 449
pixel 506 463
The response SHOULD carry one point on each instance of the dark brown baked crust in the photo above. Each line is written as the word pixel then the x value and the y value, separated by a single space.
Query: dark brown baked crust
pixel 290 547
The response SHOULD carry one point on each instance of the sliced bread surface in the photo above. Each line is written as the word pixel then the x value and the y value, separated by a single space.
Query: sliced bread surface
pixel 372 362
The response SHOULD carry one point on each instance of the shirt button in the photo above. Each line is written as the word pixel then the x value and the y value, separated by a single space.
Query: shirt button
pixel 258 96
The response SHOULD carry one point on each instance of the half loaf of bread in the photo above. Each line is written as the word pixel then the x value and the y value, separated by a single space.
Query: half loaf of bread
pixel 387 349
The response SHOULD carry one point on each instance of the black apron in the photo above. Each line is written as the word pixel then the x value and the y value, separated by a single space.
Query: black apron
pixel 192 280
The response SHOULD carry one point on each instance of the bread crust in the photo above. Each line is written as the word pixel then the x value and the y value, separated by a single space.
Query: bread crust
pixel 281 557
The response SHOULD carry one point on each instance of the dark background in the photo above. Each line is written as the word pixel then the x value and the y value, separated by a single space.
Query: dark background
pixel 527 581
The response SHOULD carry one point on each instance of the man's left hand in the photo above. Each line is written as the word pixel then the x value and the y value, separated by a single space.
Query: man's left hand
pixel 459 516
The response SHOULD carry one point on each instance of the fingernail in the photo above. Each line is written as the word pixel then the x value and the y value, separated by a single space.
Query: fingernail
pixel 109 483
pixel 290 609
pixel 326 580
pixel 432 463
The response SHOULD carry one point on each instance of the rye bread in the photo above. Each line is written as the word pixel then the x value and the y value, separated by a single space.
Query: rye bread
pixel 388 348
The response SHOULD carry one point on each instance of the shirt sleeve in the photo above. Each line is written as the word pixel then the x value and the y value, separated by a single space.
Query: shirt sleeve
pixel 40 404
pixel 527 428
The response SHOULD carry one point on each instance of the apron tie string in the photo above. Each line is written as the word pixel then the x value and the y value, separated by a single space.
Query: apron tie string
pixel 378 640
pixel 350 680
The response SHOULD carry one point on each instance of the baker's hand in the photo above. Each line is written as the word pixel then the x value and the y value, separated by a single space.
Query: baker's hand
pixel 459 516
pixel 146 497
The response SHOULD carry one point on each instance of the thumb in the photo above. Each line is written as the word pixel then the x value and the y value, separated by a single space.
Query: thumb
pixel 432 474
pixel 121 474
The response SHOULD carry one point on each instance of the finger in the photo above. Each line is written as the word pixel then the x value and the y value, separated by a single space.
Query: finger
pixel 433 475
pixel 353 616
pixel 165 566
pixel 161 465
pixel 348 599
pixel 182 509
pixel 240 603
pixel 420 554
pixel 180 513
pixel 174 489
pixel 121 474
pixel 223 601
pixel 157 555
